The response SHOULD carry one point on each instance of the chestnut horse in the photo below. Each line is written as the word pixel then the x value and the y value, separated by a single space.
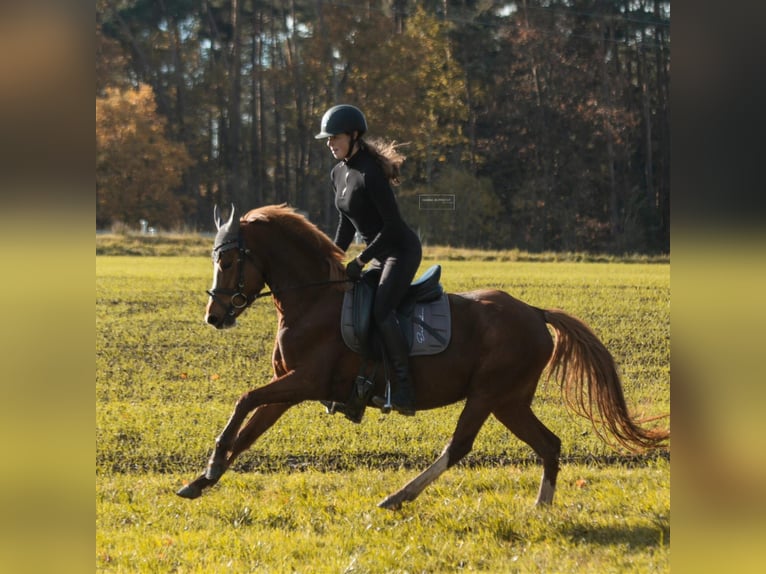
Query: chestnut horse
pixel 499 348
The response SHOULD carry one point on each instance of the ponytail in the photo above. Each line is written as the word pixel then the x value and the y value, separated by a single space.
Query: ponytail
pixel 388 156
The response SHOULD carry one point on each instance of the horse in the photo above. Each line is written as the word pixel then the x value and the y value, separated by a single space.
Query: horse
pixel 499 349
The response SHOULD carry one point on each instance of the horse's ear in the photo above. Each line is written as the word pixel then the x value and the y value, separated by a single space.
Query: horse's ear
pixel 219 222
pixel 232 219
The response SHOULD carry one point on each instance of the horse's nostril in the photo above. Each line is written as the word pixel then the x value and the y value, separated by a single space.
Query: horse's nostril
pixel 212 319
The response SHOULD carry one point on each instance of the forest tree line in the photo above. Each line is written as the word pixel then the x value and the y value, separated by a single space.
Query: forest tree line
pixel 546 124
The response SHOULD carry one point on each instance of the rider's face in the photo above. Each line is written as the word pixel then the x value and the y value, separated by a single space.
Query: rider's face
pixel 339 145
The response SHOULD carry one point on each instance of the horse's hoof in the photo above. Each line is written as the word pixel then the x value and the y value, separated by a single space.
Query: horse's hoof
pixel 189 491
pixel 214 471
pixel 391 503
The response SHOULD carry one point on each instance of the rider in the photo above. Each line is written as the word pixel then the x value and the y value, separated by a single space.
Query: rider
pixel 366 204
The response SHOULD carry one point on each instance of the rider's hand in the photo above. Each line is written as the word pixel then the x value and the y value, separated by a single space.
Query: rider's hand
pixel 354 269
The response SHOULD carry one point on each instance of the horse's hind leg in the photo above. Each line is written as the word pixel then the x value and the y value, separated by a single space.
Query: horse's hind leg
pixel 522 422
pixel 473 416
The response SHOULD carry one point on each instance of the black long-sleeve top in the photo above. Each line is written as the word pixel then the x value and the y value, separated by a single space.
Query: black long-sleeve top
pixel 366 203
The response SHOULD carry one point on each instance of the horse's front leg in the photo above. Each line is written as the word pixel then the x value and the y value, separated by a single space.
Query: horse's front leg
pixel 194 488
pixel 280 394
pixel 263 418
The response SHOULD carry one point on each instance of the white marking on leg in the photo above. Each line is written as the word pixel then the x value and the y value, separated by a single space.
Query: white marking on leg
pixel 547 490
pixel 413 488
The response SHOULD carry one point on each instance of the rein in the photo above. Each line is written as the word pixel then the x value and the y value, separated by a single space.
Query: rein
pixel 238 298
pixel 302 286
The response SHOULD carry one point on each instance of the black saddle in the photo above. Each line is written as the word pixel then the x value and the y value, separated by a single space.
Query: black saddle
pixel 423 314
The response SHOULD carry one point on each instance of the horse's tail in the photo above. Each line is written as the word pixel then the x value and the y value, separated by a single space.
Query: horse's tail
pixel 581 360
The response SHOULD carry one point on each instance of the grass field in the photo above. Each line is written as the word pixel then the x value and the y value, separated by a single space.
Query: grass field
pixel 303 499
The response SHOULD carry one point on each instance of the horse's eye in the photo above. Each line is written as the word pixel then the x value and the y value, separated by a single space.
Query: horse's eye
pixel 226 265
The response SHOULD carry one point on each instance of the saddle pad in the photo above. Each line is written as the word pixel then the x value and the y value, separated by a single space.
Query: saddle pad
pixel 434 315
pixel 431 325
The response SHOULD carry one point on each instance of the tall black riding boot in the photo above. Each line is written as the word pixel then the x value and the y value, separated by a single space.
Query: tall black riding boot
pixel 403 395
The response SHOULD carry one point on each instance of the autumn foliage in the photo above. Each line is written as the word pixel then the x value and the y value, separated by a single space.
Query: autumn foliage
pixel 138 169
pixel 546 122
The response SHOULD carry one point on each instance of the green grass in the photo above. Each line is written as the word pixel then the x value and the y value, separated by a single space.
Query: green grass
pixel 303 498
pixel 471 520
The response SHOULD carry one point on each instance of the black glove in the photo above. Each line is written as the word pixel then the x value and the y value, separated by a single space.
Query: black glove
pixel 354 270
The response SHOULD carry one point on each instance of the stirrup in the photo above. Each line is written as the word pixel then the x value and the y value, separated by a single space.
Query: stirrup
pixel 384 403
pixel 331 407
pixel 386 406
pixel 354 408
pixel 355 416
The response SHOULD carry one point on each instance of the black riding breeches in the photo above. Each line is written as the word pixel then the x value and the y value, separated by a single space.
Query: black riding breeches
pixel 398 271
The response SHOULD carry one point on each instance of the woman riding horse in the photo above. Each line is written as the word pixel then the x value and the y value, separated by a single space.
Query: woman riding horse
pixel 498 350
pixel 366 204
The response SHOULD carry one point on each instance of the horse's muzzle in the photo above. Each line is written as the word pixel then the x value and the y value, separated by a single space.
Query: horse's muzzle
pixel 220 323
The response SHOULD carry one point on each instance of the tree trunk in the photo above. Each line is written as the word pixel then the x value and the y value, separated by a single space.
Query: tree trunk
pixel 234 155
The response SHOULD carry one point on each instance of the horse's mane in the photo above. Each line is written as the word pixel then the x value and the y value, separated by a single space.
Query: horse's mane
pixel 304 231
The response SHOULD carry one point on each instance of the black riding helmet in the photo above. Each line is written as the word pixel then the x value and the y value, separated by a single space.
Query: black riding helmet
pixel 342 119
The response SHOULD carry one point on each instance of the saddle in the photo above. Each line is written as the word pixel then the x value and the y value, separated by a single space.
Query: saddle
pixel 424 315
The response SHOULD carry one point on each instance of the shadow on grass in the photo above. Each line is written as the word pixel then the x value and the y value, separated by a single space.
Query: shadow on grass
pixel 639 537
pixel 119 462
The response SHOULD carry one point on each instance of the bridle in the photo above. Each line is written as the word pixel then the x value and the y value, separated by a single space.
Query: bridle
pixel 238 299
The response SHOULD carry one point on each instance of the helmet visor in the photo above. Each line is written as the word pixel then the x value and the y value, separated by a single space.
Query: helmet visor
pixel 324 134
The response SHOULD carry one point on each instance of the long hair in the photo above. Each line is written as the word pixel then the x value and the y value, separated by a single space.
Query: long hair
pixel 388 156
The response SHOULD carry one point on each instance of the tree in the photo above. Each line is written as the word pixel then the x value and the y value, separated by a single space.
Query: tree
pixel 470 213
pixel 559 107
pixel 137 167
